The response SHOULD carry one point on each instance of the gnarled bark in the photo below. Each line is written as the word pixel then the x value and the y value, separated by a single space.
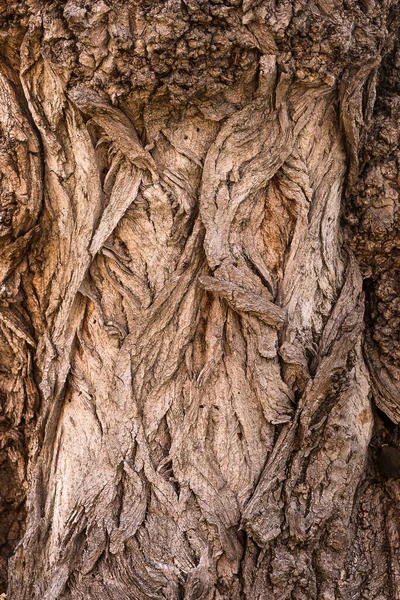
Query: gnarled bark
pixel 199 224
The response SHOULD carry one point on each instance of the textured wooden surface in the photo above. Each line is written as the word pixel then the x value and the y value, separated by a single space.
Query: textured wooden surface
pixel 194 196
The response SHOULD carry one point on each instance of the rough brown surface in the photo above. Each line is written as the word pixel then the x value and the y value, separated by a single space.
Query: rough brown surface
pixel 199 306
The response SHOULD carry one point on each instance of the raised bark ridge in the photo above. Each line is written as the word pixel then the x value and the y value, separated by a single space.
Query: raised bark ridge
pixel 188 387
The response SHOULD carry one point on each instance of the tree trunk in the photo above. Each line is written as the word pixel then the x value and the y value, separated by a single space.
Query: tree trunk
pixel 199 312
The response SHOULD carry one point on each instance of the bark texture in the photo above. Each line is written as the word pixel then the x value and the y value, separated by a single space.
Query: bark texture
pixel 199 307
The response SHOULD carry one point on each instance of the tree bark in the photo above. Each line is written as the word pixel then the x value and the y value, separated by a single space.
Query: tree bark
pixel 199 307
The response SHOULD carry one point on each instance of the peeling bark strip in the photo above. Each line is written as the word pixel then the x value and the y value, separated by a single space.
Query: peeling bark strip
pixel 198 300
